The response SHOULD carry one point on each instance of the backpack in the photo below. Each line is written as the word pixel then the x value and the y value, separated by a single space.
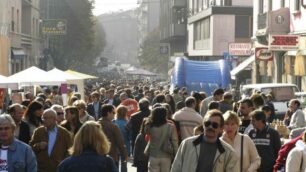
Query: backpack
pixel 283 153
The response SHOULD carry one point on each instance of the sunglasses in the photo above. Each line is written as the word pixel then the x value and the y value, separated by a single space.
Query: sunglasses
pixel 4 128
pixel 60 113
pixel 215 125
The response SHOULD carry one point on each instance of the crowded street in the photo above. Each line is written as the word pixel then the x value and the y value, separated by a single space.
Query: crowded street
pixel 152 86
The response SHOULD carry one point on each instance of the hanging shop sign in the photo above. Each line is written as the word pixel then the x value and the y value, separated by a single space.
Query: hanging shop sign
pixel 263 54
pixel 283 42
pixel 240 49
pixel 54 27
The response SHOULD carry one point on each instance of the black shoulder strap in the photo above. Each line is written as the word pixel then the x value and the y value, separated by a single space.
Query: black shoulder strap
pixel 241 155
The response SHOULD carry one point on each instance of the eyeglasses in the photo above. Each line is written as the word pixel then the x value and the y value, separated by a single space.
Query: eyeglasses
pixel 4 128
pixel 215 125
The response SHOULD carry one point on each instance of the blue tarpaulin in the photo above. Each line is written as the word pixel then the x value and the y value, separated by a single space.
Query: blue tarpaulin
pixel 200 75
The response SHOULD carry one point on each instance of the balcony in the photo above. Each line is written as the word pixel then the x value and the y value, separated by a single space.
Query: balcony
pixel 26 40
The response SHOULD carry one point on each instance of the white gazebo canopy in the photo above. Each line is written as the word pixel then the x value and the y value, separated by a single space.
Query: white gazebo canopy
pixel 71 79
pixel 35 76
pixel 4 83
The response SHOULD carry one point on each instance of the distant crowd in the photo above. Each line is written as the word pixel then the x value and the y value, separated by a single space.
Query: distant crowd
pixel 159 130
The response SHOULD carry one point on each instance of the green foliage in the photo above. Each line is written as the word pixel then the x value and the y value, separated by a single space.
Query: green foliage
pixel 150 58
pixel 85 38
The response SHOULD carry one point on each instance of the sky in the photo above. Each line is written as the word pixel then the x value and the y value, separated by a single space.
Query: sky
pixel 106 6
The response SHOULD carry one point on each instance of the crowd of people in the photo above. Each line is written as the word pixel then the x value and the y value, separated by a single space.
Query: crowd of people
pixel 158 130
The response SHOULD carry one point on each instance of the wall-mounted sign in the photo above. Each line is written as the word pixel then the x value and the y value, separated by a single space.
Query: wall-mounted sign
pixel 263 54
pixel 283 42
pixel 54 27
pixel 240 49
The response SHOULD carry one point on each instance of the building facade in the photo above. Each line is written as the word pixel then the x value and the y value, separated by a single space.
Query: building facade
pixel 214 24
pixel 280 42
pixel 173 26
pixel 121 36
pixel 148 14
pixel 20 35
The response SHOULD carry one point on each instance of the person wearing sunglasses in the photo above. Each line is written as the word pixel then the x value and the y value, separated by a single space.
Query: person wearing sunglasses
pixel 59 112
pixel 15 155
pixel 206 152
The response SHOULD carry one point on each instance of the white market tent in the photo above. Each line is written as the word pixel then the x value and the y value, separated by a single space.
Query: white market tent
pixel 139 71
pixel 71 79
pixel 4 83
pixel 35 76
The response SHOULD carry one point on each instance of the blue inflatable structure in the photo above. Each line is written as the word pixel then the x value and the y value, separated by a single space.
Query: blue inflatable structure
pixel 200 75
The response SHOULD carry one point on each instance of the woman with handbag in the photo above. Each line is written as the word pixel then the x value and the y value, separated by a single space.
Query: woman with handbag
pixel 249 160
pixel 163 142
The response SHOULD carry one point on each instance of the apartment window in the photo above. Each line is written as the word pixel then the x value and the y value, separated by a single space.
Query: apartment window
pixel 202 29
pixel 297 5
pixel 282 3
pixel 260 6
pixel 205 4
pixel 17 22
pixel 33 26
pixel 226 2
pixel 243 26
pixel 12 19
pixel 200 5
pixel 270 5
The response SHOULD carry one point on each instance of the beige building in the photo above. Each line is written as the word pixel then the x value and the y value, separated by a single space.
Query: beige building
pixel 213 24
pixel 20 40
pixel 279 28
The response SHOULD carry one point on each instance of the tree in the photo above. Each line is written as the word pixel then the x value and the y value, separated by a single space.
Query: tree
pixel 85 38
pixel 150 56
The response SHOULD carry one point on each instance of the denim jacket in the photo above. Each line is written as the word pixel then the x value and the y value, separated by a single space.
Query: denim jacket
pixel 21 158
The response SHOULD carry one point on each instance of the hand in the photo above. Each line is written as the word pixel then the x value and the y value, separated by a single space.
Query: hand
pixel 42 145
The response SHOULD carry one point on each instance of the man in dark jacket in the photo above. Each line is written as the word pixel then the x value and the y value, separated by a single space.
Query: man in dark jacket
pixel 266 140
pixel 22 130
pixel 114 135
pixel 137 118
pixel 94 108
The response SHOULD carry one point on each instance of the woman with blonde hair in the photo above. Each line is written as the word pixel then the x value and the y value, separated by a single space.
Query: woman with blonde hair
pixel 296 160
pixel 249 160
pixel 89 151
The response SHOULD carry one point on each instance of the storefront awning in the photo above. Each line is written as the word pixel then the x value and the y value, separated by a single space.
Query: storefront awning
pixel 18 53
pixel 242 66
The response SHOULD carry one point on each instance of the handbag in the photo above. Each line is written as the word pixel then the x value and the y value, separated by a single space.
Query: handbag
pixel 167 145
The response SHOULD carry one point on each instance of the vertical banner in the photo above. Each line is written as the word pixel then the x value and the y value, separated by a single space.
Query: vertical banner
pixel 64 91
pixel 2 94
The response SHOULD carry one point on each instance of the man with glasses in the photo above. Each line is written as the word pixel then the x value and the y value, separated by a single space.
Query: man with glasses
pixel 266 140
pixel 14 154
pixel 59 112
pixel 206 152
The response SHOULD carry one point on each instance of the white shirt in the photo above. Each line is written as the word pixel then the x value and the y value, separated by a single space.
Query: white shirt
pixel 3 159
